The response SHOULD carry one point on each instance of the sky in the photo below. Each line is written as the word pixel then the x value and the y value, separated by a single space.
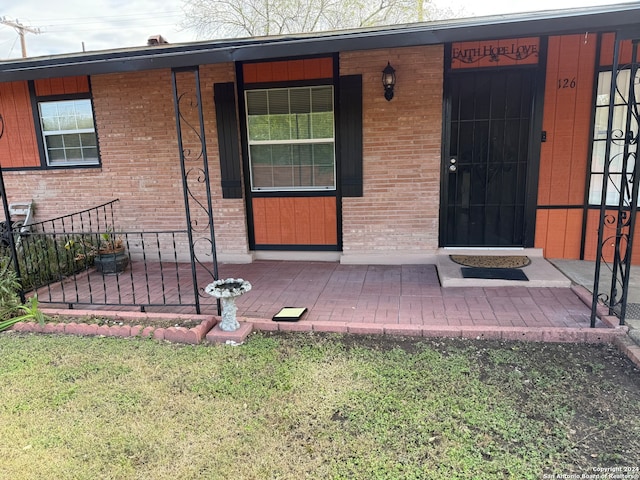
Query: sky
pixel 68 26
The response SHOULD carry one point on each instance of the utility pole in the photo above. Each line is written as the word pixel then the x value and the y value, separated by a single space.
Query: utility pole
pixel 20 28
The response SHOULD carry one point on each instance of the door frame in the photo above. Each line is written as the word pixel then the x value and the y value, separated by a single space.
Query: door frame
pixel 534 149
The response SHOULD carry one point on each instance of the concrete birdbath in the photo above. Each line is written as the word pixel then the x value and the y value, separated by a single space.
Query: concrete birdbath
pixel 227 291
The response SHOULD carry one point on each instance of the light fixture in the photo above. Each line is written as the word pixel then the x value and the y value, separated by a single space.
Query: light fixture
pixel 388 81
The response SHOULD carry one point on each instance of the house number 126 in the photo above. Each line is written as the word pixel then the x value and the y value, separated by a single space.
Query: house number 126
pixel 567 83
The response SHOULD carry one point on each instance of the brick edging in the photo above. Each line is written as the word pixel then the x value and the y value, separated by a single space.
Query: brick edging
pixel 190 336
pixel 629 348
pixel 197 334
pixel 530 334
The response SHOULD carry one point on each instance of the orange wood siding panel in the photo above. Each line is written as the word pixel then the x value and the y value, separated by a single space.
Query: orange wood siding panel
pixel 559 232
pixel 495 53
pixel 591 238
pixel 288 70
pixel 62 86
pixel 295 221
pixel 18 146
pixel 606 51
pixel 564 157
pixel 568 106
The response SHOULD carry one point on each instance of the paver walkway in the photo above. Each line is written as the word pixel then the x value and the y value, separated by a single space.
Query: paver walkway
pixel 402 299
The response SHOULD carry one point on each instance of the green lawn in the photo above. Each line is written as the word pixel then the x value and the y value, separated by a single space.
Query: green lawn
pixel 312 406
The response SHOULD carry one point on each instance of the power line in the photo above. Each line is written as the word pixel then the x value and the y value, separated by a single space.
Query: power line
pixel 114 17
pixel 100 20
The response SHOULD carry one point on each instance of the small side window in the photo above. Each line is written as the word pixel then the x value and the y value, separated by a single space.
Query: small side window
pixel 68 132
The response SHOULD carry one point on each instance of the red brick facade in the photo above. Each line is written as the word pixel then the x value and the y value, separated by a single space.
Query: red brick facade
pixel 397 218
pixel 398 213
pixel 135 122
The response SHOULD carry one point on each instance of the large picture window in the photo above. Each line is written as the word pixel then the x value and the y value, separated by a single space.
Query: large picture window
pixel 291 138
pixel 68 132
pixel 619 133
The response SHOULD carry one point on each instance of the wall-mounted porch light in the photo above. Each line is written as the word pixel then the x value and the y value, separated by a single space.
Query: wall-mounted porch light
pixel 388 81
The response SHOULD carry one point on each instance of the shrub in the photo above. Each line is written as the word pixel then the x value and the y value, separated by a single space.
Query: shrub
pixel 11 311
pixel 48 258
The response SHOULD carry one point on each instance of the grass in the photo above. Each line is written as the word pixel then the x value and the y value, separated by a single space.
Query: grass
pixel 312 406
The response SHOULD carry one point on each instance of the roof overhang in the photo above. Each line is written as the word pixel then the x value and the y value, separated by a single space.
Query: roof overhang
pixel 622 18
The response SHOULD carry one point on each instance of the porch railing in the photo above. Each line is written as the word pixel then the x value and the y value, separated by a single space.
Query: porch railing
pixel 57 261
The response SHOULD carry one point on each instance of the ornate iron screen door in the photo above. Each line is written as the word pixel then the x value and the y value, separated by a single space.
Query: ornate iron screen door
pixel 486 157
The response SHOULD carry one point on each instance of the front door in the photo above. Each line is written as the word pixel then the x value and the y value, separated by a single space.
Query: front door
pixel 486 155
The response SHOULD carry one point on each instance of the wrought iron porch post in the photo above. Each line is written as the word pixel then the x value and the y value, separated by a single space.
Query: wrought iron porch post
pixel 200 174
pixel 631 139
pixel 605 181
pixel 7 216
pixel 625 219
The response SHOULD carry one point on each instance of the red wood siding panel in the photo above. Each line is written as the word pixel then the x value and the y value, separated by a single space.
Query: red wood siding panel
pixel 62 86
pixel 18 146
pixel 295 221
pixel 507 52
pixel 606 52
pixel 288 70
pixel 591 240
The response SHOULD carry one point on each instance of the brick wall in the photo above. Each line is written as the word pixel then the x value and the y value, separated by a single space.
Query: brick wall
pixel 140 163
pixel 399 210
pixel 140 166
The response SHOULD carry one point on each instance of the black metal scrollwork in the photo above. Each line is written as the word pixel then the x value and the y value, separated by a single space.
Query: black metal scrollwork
pixel 195 177
pixel 621 173
pixel 495 53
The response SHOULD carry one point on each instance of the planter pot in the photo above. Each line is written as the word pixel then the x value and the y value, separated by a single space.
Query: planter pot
pixel 112 262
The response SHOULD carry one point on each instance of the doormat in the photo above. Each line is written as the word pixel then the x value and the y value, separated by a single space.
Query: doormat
pixel 492 261
pixel 494 273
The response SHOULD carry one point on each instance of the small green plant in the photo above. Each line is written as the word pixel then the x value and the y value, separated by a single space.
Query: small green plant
pixel 87 247
pixel 9 287
pixel 29 311
pixel 11 311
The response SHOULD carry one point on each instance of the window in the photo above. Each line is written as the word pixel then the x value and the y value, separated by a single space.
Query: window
pixel 618 134
pixel 68 132
pixel 291 138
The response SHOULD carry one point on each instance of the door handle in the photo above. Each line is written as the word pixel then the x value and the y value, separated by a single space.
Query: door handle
pixel 453 168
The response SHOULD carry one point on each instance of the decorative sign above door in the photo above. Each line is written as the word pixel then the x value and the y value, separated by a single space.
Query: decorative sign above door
pixel 495 53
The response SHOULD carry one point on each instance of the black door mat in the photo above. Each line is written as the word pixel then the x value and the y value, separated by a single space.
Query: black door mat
pixel 494 273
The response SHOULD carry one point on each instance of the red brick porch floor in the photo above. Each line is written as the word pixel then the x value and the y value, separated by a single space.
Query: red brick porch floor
pixel 404 299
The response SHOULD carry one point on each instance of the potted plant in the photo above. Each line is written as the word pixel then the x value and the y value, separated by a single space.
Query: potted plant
pixel 110 255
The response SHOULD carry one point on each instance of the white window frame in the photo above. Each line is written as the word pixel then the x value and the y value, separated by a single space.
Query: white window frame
pixel 77 131
pixel 599 139
pixel 306 141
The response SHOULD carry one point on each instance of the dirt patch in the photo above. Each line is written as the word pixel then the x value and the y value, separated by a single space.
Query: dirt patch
pixel 145 322
pixel 590 391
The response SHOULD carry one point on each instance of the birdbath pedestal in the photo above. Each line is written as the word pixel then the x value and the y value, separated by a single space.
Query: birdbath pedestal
pixel 227 291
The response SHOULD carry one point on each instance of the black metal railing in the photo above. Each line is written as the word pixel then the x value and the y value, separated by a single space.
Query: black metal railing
pixel 621 161
pixel 63 260
pixel 94 219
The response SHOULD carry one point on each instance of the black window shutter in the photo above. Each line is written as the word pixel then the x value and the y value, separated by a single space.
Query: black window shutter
pixel 350 131
pixel 224 96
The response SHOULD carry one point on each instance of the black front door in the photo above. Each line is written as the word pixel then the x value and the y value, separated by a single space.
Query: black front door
pixel 486 155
